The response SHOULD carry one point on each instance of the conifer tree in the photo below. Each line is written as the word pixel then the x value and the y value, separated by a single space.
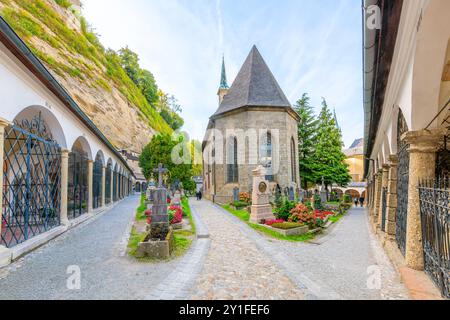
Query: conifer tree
pixel 328 160
pixel 307 139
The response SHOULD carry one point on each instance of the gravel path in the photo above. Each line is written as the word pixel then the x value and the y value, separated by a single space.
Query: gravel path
pixel 243 264
pixel 235 268
pixel 97 247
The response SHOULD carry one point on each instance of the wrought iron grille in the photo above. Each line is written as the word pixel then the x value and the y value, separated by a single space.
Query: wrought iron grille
pixel 443 161
pixel 115 186
pixel 383 209
pixel 434 208
pixel 97 183
pixel 78 183
pixel 108 184
pixel 32 182
pixel 402 185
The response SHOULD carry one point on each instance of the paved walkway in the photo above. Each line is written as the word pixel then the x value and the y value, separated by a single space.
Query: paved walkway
pixel 228 261
pixel 97 247
pixel 243 264
pixel 235 268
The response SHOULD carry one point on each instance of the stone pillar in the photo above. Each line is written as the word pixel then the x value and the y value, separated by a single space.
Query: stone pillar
pixel 423 146
pixel 64 185
pixel 90 185
pixel 103 186
pixel 3 125
pixel 384 184
pixel 377 196
pixel 391 212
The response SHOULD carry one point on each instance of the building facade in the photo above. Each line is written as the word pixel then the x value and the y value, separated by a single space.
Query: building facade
pixel 58 168
pixel 407 99
pixel 355 160
pixel 254 125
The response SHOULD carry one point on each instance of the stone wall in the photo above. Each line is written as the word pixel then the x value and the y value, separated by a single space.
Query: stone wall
pixel 260 120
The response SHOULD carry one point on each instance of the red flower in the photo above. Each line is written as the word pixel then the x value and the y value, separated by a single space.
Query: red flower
pixel 272 222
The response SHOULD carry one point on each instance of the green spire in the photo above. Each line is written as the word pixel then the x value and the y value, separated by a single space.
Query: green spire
pixel 223 76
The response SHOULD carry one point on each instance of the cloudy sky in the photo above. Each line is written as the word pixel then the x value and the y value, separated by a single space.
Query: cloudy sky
pixel 312 46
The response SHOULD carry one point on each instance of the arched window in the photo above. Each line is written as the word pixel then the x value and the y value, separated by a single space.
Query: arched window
pixel 266 155
pixel 293 161
pixel 232 161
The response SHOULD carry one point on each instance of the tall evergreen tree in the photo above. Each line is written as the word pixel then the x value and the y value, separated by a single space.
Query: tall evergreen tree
pixel 328 160
pixel 307 139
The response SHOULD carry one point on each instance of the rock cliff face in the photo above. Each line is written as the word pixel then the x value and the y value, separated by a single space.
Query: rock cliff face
pixel 60 37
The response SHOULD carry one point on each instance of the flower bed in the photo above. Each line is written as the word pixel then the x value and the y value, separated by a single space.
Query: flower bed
pixel 175 215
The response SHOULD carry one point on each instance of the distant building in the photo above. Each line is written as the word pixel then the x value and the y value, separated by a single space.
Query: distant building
pixel 132 158
pixel 355 160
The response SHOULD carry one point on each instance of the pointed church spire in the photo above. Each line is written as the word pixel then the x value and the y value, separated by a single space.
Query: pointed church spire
pixel 223 76
pixel 336 120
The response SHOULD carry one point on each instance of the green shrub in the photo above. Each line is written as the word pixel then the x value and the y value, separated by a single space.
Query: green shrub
pixel 240 204
pixel 286 225
pixel 284 212
pixel 317 202
pixel 347 199
pixel 63 3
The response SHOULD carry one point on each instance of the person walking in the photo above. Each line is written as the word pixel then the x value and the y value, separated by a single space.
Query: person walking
pixel 356 202
pixel 361 202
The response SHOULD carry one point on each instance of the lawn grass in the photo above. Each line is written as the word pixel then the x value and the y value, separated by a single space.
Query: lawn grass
pixel 140 212
pixel 241 214
pixel 244 216
pixel 133 242
pixel 187 210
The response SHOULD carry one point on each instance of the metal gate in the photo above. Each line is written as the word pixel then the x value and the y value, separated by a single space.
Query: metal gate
pixel 78 183
pixel 402 185
pixel 108 184
pixel 434 209
pixel 97 183
pixel 32 182
pixel 383 209
pixel 114 186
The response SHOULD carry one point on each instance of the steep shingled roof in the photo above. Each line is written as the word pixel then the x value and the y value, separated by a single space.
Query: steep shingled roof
pixel 254 86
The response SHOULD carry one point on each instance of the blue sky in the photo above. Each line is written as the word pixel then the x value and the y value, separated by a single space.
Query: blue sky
pixel 312 46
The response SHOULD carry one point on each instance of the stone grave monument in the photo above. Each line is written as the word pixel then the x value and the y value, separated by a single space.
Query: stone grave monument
pixel 261 209
pixel 176 200
pixel 160 240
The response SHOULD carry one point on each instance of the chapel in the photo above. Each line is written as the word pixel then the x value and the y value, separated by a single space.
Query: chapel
pixel 254 125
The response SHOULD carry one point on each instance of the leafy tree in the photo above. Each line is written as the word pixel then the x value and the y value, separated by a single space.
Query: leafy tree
pixel 148 86
pixel 159 150
pixel 130 62
pixel 307 139
pixel 197 157
pixel 168 108
pixel 328 159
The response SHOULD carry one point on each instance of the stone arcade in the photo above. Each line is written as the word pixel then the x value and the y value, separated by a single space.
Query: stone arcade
pixel 58 168
pixel 254 125
pixel 407 125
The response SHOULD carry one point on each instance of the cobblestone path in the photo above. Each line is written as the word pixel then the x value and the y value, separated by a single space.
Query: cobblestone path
pixel 235 268
pixel 97 247
pixel 243 264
